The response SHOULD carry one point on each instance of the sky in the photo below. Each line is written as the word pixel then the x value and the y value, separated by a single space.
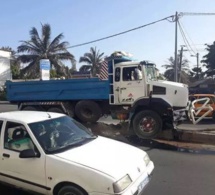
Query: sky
pixel 86 20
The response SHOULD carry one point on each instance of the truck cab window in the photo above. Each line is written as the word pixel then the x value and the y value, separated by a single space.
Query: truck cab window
pixel 132 73
pixel 117 74
pixel 16 137
pixel 150 71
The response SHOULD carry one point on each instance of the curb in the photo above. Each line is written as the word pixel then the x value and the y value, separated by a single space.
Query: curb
pixel 4 102
pixel 192 142
pixel 202 137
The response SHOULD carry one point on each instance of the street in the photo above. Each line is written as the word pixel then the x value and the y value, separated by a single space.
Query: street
pixel 175 173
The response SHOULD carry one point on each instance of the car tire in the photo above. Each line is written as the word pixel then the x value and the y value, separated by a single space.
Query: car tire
pixel 88 111
pixel 67 190
pixel 55 109
pixel 147 124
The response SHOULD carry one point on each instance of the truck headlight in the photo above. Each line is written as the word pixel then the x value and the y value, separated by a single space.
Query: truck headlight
pixel 122 184
pixel 146 159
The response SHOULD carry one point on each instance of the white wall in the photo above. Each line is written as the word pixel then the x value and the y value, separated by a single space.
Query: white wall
pixel 5 71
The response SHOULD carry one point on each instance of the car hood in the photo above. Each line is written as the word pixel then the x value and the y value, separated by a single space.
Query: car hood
pixel 111 157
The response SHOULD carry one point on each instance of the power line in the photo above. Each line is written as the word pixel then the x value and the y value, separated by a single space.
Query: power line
pixel 189 37
pixel 194 14
pixel 124 32
pixel 185 39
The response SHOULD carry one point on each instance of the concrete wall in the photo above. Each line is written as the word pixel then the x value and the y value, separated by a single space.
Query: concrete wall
pixel 5 71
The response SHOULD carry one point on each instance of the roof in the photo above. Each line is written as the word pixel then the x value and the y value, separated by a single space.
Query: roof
pixel 202 95
pixel 28 116
pixel 200 82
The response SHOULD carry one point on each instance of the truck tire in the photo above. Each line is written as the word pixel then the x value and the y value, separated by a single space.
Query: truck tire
pixel 147 124
pixel 66 190
pixel 55 109
pixel 88 111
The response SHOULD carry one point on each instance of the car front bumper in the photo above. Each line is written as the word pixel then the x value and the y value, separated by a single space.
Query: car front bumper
pixel 138 186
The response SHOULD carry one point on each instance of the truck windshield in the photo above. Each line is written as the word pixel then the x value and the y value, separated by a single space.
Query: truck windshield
pixel 150 72
pixel 59 134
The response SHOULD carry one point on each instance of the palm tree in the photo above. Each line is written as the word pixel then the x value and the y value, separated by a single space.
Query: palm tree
pixel 41 47
pixel 93 58
pixel 183 73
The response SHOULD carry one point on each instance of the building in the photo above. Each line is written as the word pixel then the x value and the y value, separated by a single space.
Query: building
pixel 5 71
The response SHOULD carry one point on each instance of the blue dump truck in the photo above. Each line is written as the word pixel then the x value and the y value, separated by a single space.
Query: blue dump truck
pixel 131 92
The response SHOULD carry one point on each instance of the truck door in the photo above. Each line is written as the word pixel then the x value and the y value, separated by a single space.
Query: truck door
pixel 27 173
pixel 129 86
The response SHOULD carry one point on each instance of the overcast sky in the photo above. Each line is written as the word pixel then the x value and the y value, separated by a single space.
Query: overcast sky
pixel 86 20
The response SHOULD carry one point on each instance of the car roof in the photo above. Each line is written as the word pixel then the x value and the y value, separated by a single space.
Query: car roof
pixel 28 116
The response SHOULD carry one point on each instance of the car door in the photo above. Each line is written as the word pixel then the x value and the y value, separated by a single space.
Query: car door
pixel 27 173
pixel 2 178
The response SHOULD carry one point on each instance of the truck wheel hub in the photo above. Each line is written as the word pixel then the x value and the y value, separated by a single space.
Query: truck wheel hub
pixel 147 124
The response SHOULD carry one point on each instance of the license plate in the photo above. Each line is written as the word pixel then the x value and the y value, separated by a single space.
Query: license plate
pixel 143 184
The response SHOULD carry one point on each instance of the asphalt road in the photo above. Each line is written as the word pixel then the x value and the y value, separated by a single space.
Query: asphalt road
pixel 175 173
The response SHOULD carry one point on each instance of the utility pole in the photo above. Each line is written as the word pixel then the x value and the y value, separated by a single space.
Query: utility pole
pixel 197 57
pixel 180 63
pixel 197 64
pixel 176 49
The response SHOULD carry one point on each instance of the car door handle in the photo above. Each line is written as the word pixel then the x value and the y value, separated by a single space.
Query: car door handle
pixel 6 155
pixel 123 88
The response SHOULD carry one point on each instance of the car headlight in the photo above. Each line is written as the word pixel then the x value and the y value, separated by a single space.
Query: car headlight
pixel 122 184
pixel 146 159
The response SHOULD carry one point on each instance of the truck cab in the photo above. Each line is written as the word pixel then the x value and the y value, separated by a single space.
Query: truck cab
pixel 148 103
pixel 128 88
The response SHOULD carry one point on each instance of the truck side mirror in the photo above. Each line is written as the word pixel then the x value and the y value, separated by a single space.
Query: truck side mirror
pixel 29 153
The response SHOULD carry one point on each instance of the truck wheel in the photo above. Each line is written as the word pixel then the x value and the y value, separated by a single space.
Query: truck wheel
pixel 70 190
pixel 30 108
pixel 55 109
pixel 147 124
pixel 88 111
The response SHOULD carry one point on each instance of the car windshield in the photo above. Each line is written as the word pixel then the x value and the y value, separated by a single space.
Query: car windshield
pixel 59 134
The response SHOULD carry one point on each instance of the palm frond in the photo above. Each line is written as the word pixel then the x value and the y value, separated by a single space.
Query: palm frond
pixel 85 59
pixel 59 47
pixel 56 41
pixel 35 38
pixel 63 56
pixel 27 46
pixel 27 58
pixel 46 35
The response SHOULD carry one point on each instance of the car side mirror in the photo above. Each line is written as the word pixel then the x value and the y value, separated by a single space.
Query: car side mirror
pixel 29 153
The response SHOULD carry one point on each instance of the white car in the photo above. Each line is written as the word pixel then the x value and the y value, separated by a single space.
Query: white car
pixel 51 153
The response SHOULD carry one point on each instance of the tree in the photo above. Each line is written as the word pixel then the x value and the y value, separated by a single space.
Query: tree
pixel 169 73
pixel 209 59
pixel 93 58
pixel 41 47
pixel 14 63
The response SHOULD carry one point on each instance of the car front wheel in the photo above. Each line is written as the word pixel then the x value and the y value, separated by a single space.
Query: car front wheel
pixel 70 190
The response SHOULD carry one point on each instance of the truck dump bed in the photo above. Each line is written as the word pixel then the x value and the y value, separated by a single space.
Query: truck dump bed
pixel 57 90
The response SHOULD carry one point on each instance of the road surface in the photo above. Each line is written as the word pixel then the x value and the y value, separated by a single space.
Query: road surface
pixel 175 173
